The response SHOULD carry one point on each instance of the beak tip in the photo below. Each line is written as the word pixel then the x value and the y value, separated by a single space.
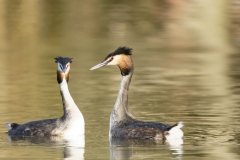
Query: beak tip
pixel 92 68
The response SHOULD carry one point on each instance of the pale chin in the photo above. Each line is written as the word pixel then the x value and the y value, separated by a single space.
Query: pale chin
pixel 111 63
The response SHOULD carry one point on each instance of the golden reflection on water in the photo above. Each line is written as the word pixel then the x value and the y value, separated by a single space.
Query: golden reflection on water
pixel 136 148
pixel 72 147
pixel 185 70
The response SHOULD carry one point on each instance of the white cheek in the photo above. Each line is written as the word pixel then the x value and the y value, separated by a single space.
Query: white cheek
pixel 59 68
pixel 112 63
pixel 115 60
pixel 68 69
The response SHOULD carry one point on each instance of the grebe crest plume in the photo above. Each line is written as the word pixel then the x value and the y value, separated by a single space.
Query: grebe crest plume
pixel 120 50
pixel 63 60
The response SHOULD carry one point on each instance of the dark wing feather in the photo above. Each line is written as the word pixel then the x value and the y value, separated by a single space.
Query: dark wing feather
pixel 140 130
pixel 144 133
pixel 42 127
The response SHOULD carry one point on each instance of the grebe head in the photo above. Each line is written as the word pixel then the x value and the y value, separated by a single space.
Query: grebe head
pixel 63 69
pixel 120 57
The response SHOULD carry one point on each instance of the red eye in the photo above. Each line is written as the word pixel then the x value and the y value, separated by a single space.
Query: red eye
pixel 111 58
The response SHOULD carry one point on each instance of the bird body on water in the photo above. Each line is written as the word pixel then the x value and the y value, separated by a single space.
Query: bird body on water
pixel 122 122
pixel 72 121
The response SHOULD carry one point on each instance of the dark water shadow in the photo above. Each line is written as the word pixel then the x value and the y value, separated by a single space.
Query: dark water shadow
pixel 73 147
pixel 127 148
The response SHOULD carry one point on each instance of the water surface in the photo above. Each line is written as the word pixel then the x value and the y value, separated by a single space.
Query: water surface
pixel 186 69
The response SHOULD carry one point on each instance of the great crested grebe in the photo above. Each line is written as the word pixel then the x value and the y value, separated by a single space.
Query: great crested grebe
pixel 122 122
pixel 72 121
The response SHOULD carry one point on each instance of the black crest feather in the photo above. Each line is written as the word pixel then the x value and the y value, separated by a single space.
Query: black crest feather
pixel 123 50
pixel 120 50
pixel 63 60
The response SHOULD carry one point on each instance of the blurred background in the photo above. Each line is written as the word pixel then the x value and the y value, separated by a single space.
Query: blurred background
pixel 187 67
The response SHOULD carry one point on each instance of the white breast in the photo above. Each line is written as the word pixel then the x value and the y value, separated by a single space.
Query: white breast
pixel 75 126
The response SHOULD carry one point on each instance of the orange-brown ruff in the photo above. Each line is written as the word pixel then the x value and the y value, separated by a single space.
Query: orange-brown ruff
pixel 125 62
pixel 122 122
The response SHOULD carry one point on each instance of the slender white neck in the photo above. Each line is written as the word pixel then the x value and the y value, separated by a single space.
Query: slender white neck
pixel 67 100
pixel 120 112
pixel 72 119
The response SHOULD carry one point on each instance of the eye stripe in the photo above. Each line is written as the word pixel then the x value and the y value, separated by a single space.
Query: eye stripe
pixel 110 59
